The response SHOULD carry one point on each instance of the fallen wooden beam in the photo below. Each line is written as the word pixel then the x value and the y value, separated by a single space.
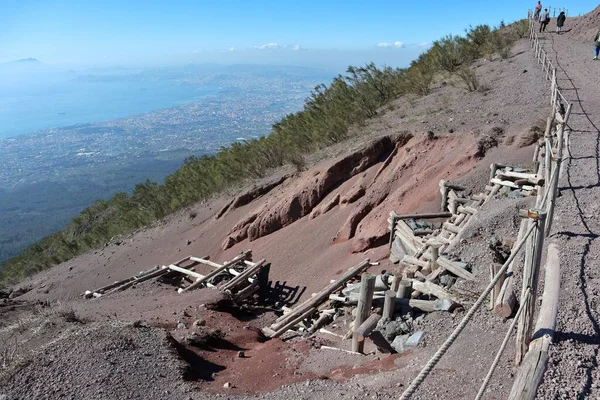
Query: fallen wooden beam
pixel 243 277
pixel 455 269
pixel 216 272
pixel 423 216
pixel 433 289
pixel 323 295
pixel 365 329
pixel 184 271
pixel 415 261
pixel 291 323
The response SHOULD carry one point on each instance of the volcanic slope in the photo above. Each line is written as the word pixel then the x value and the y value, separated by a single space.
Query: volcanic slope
pixel 310 225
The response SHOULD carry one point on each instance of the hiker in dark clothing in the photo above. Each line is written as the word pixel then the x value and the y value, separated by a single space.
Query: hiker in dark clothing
pixel 560 21
pixel 596 45
pixel 544 19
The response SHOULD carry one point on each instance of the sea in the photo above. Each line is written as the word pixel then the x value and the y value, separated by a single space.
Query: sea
pixel 26 107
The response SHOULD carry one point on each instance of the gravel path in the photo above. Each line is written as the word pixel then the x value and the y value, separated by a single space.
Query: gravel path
pixel 573 366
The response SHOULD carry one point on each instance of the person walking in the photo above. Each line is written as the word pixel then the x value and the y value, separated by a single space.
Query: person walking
pixel 596 45
pixel 544 20
pixel 560 22
pixel 538 8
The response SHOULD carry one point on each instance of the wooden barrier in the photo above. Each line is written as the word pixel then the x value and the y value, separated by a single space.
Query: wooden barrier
pixel 363 309
pixel 530 374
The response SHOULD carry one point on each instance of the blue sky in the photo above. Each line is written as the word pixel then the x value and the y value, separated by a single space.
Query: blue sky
pixel 81 32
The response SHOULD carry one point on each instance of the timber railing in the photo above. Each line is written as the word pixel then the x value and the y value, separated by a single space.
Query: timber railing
pixel 531 344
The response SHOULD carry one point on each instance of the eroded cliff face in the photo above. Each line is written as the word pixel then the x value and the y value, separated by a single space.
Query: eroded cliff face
pixel 391 173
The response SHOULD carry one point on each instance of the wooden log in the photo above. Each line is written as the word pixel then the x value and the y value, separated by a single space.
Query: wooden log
pixel 246 292
pixel 423 232
pixel 396 278
pixel 530 375
pixel 467 210
pixel 506 300
pixel 206 262
pixel 507 183
pixel 379 341
pixel 216 272
pixel 389 304
pixel 185 271
pixel 365 329
pixel 427 305
pixel 552 193
pixel 338 349
pixel 424 216
pixel 336 297
pixel 414 261
pixel 493 168
pixel 406 235
pixel 444 192
pixel 453 186
pixel 324 294
pixel 455 269
pixel 363 309
pixel 324 319
pixel 152 275
pixel 451 227
pixel 404 289
pixel 531 178
pixel 531 272
pixel 293 322
pixel 494 269
pixel 435 290
pixel 243 277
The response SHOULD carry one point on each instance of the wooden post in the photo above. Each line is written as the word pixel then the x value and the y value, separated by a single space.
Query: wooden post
pixel 393 219
pixel 552 192
pixel 494 268
pixel 444 191
pixel 530 374
pixel 434 251
pixel 531 273
pixel 396 278
pixel 493 168
pixel 548 146
pixel 553 86
pixel 404 290
pixel 363 309
pixel 506 299
pixel 390 304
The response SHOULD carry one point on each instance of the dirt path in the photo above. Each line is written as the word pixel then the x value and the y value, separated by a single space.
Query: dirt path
pixel 573 371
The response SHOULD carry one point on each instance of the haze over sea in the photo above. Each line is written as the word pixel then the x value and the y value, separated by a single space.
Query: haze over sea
pixel 66 100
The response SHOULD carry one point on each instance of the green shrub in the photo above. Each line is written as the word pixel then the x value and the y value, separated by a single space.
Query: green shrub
pixel 469 77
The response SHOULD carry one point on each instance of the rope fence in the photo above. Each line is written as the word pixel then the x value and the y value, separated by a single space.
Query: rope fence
pixel 547 162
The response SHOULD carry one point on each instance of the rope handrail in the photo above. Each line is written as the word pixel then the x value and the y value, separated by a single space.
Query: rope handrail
pixel 488 377
pixel 463 323
pixel 549 70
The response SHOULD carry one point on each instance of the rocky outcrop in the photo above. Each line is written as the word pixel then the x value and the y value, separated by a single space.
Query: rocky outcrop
pixel 299 198
pixel 250 195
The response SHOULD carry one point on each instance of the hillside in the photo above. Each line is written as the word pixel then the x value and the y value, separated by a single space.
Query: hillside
pixel 311 222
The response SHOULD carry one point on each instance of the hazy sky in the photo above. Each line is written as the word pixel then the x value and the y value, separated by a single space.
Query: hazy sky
pixel 83 32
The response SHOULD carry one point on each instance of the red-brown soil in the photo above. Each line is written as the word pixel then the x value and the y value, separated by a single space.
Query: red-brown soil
pixel 311 226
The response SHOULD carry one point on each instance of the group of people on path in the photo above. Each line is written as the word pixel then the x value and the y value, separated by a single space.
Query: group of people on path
pixel 544 18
